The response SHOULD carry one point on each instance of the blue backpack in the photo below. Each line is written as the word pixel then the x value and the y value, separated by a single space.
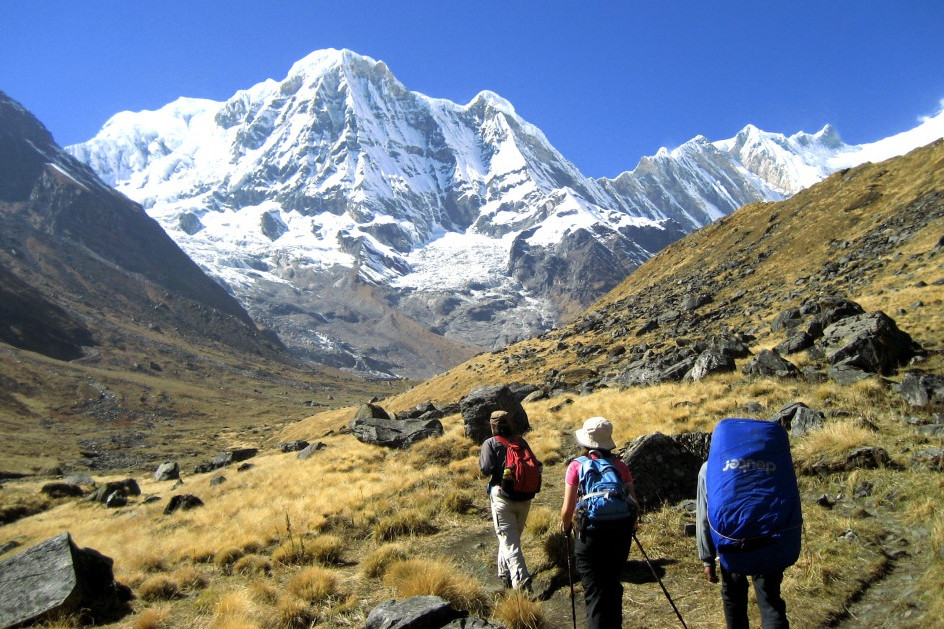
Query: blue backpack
pixel 753 499
pixel 602 498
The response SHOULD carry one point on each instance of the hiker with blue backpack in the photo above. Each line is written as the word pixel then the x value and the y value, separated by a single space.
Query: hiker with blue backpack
pixel 748 515
pixel 600 508
pixel 514 477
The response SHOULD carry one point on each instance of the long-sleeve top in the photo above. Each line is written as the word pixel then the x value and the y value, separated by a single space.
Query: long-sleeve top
pixel 706 546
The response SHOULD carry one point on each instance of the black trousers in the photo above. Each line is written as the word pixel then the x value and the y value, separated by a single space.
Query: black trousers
pixel 600 558
pixel 773 609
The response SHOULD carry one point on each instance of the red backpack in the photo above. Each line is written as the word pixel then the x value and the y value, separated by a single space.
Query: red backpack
pixel 521 479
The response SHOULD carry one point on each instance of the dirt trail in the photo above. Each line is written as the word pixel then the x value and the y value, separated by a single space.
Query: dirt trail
pixel 892 600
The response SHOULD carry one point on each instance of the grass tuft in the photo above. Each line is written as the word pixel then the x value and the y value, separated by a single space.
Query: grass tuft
pixel 159 588
pixel 516 611
pixel 416 577
pixel 377 562
pixel 407 522
pixel 314 585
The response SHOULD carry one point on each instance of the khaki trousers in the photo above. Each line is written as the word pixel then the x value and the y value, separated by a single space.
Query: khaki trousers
pixel 509 517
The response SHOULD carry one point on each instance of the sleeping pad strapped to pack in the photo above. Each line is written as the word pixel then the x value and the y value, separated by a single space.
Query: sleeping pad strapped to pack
pixel 753 498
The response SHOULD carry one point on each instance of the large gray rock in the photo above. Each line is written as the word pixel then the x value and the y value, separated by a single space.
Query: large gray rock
pixel 478 405
pixel 769 364
pixel 169 470
pixel 182 502
pixel 798 419
pixel 923 390
pixel 710 362
pixel 395 433
pixel 126 488
pixel 416 612
pixel 872 342
pixel 664 470
pixel 57 577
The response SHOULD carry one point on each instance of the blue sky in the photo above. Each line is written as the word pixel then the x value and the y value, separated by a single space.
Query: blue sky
pixel 608 82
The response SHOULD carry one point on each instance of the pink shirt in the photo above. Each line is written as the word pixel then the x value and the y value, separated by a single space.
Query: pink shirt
pixel 573 471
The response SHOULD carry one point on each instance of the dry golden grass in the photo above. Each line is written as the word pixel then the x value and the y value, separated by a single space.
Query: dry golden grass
pixel 439 577
pixel 314 584
pixel 831 441
pixel 158 588
pixel 376 563
pixel 153 618
pixel 408 522
pixel 516 610
pixel 253 565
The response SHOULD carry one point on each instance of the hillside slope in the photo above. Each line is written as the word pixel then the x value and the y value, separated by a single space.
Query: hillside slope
pixel 109 333
pixel 872 234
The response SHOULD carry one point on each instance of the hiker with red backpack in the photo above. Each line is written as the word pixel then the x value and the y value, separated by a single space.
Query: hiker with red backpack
pixel 514 478
pixel 600 507
pixel 748 514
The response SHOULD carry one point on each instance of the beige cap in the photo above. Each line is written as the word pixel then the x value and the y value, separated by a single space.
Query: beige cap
pixel 500 418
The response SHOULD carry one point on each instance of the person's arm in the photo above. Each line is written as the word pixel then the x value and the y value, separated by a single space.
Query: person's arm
pixel 706 546
pixel 568 508
pixel 487 459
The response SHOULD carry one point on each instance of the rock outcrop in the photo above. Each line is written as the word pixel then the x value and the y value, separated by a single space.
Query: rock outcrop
pixel 57 577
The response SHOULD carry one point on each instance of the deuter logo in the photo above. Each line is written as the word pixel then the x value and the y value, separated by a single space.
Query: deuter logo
pixel 749 465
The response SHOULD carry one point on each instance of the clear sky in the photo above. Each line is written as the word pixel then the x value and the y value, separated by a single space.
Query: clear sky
pixel 608 82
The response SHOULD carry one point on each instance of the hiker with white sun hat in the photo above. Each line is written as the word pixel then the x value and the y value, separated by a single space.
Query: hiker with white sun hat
pixel 600 507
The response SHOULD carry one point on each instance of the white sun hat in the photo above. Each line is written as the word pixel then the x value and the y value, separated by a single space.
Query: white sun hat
pixel 596 434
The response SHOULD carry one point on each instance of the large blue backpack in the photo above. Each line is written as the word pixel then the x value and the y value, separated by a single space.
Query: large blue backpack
pixel 602 498
pixel 753 498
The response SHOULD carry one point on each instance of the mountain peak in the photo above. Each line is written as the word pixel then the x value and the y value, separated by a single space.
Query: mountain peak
pixel 488 98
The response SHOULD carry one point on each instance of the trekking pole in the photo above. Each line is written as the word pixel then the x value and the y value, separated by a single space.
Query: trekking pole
pixel 570 578
pixel 677 613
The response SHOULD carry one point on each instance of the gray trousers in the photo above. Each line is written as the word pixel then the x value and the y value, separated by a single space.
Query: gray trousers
pixel 509 517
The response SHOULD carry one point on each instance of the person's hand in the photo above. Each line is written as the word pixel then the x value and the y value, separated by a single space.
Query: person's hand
pixel 710 574
pixel 565 527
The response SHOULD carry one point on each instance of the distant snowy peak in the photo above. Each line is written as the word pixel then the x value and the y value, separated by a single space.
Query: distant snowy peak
pixel 339 171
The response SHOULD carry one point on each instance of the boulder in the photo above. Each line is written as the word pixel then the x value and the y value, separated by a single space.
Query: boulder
pixel 710 362
pixel 923 390
pixel 394 433
pixel 846 374
pixel 864 458
pixel 169 470
pixel 478 405
pixel 308 450
pixel 234 456
pixel 663 470
pixel 697 443
pixel 182 502
pixel 371 411
pixel 732 345
pixel 416 612
pixel 871 342
pixel 127 487
pixel 769 363
pixel 56 577
pixel 796 343
pixel 798 419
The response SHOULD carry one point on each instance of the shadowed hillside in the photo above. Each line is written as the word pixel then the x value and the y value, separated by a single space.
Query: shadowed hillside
pixel 116 350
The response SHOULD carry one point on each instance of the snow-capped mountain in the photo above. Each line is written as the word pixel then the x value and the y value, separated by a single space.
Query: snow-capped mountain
pixel 377 228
